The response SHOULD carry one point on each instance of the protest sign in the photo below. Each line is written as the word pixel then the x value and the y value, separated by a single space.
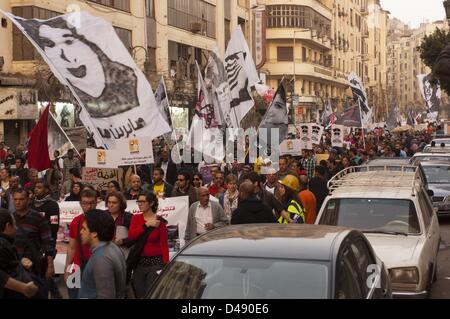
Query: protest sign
pixel 99 176
pixel 291 147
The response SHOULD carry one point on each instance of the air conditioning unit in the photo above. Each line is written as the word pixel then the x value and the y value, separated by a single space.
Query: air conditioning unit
pixel 196 27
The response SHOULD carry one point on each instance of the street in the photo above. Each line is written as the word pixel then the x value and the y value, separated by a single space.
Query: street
pixel 441 289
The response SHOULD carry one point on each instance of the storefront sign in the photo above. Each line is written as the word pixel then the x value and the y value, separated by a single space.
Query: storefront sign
pixel 18 104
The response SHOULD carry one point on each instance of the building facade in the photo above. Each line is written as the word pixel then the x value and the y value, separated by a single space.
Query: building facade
pixel 404 64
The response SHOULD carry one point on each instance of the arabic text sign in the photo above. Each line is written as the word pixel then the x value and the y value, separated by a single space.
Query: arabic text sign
pixel 99 176
pixel 291 147
pixel 68 211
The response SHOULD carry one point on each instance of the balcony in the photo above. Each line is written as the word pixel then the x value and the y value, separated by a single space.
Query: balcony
pixel 308 36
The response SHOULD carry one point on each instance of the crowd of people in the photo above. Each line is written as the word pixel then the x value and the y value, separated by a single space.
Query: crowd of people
pixel 219 195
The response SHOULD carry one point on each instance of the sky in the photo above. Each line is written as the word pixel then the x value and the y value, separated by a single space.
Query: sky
pixel 414 12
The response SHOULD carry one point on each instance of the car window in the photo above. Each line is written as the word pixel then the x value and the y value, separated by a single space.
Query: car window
pixel 439 174
pixel 363 259
pixel 394 215
pixel 195 277
pixel 426 208
pixel 347 280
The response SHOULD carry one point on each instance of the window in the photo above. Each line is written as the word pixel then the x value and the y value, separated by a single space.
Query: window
pixel 23 50
pixel 303 54
pixel 363 259
pixel 193 15
pixel 427 210
pixel 347 283
pixel 150 8
pixel 285 54
pixel 125 36
pixel 123 5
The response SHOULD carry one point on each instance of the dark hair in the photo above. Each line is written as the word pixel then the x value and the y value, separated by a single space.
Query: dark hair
pixel 186 175
pixel 116 185
pixel 20 190
pixel 120 197
pixel 43 182
pixel 8 171
pixel 75 172
pixel 5 218
pixel 150 197
pixel 199 175
pixel 79 184
pixel 101 222
pixel 253 177
pixel 158 169
pixel 231 178
pixel 320 170
pixel 89 193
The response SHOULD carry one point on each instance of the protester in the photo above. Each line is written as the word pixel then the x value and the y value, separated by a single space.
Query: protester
pixel 75 192
pixel 154 253
pixel 113 187
pixel 70 162
pixel 286 193
pixel 308 200
pixel 183 188
pixel 104 276
pixel 78 254
pixel 197 181
pixel 271 181
pixel 135 188
pixel 204 215
pixel 216 188
pixel 251 210
pixel 159 186
pixel 53 177
pixel 21 172
pixel 318 186
pixel 168 166
pixel 229 199
pixel 116 204
pixel 4 179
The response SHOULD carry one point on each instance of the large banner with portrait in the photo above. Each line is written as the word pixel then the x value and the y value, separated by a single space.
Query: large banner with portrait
pixel 85 54
pixel 431 93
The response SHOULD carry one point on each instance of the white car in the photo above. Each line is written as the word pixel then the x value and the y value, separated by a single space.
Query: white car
pixel 426 157
pixel 391 207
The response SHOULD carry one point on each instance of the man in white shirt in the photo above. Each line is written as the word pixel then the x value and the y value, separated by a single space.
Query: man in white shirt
pixel 272 180
pixel 204 215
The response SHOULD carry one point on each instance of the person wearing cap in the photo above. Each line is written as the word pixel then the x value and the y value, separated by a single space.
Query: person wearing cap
pixel 287 194
pixel 272 180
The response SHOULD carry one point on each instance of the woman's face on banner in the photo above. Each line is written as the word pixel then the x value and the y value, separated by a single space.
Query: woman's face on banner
pixel 75 60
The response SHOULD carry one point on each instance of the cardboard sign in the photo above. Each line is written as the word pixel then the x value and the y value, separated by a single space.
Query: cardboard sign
pixel 337 135
pixel 68 211
pixel 99 176
pixel 305 136
pixel 291 147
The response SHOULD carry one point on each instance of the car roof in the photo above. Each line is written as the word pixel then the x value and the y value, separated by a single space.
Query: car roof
pixel 373 192
pixel 435 163
pixel 389 161
pixel 293 241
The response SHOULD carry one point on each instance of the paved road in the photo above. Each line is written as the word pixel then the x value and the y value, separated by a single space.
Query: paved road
pixel 441 289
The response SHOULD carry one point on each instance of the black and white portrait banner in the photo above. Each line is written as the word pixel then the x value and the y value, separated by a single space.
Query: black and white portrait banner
pixel 360 96
pixel 85 54
pixel 242 75
pixel 337 135
pixel 431 93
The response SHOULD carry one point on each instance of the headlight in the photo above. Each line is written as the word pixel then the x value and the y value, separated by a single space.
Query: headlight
pixel 404 275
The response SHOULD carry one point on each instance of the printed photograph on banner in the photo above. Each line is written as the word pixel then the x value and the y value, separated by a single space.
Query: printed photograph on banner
pixel 316 133
pixel 337 135
pixel 101 157
pixel 133 146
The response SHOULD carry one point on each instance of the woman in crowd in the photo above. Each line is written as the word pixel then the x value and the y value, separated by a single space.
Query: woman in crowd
pixel 229 199
pixel 75 192
pixel 287 193
pixel 155 253
pixel 53 177
pixel 116 205
pixel 197 181
pixel 113 186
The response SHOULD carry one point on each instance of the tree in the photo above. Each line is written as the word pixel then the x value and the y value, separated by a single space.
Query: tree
pixel 430 49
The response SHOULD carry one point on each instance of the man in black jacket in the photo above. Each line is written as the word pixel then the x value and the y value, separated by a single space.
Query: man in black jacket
pixel 251 210
pixel 159 187
pixel 47 206
pixel 318 186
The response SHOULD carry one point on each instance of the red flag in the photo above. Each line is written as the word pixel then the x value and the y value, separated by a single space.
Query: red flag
pixel 38 156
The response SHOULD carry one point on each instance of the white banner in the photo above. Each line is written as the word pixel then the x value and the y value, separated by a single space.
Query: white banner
pixel 431 94
pixel 136 151
pixel 85 54
pixel 291 147
pixel 337 135
pixel 316 133
pixel 68 211
pixel 305 136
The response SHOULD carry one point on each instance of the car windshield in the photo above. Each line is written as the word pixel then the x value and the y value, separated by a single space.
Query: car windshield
pixel 421 159
pixel 437 174
pixel 198 277
pixel 372 215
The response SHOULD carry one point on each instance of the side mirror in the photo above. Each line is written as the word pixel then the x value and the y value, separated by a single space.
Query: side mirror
pixel 430 193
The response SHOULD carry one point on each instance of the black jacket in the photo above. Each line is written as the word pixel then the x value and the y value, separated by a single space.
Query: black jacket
pixel 172 172
pixel 319 188
pixel 50 208
pixel 252 211
pixel 168 188
pixel 8 261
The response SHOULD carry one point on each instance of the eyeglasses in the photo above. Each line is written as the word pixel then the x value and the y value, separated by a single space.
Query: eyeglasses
pixel 141 202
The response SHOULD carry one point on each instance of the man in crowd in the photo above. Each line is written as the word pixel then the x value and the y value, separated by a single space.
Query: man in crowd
pixel 21 172
pixel 168 166
pixel 251 210
pixel 33 177
pixel 3 152
pixel 4 178
pixel 308 200
pixel 318 186
pixel 204 215
pixel 78 254
pixel 33 238
pixel 135 188
pixel 217 188
pixel 272 181
pixel 106 272
pixel 159 186
pixel 70 162
pixel 74 177
pixel 308 162
pixel 284 168
pixel 183 187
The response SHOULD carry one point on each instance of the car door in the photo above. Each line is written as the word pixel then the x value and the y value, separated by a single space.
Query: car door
pixel 348 284
pixel 431 224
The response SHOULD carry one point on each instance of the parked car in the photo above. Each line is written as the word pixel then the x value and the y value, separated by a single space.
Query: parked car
pixel 437 175
pixel 392 208
pixel 427 157
pixel 273 261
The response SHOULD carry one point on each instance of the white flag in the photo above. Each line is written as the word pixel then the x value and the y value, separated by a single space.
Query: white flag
pixel 360 96
pixel 162 102
pixel 85 54
pixel 57 138
pixel 337 135
pixel 242 75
